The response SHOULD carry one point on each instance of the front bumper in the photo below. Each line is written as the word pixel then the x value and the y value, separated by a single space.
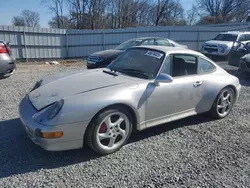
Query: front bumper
pixel 214 52
pixel 92 66
pixel 72 133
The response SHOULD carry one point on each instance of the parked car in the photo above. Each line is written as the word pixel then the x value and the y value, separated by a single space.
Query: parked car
pixel 244 65
pixel 7 63
pixel 238 50
pixel 240 56
pixel 146 86
pixel 222 43
pixel 103 58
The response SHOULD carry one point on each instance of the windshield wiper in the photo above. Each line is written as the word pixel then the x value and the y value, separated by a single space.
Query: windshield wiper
pixel 110 72
pixel 135 72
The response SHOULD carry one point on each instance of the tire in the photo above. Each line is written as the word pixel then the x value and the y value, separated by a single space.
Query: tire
pixel 105 137
pixel 221 104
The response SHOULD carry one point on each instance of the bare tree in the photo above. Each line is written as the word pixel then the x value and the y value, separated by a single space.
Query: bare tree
pixel 28 18
pixel 66 23
pixel 219 11
pixel 56 7
pixel 192 16
pixel 18 21
pixel 167 12
pixel 78 12
pixel 31 18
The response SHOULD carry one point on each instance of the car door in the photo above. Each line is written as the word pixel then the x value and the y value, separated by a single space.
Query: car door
pixel 169 101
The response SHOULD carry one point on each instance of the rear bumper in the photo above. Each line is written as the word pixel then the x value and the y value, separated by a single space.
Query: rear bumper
pixel 72 133
pixel 7 65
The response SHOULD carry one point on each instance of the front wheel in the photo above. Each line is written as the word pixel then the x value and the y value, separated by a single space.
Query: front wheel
pixel 109 131
pixel 223 103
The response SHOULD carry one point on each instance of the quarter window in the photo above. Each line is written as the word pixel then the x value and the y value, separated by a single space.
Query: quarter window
pixel 184 65
pixel 205 66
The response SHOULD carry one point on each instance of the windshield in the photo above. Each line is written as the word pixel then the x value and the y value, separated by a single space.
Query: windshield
pixel 127 44
pixel 139 62
pixel 226 37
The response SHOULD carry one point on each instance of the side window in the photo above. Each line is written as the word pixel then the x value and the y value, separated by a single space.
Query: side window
pixel 166 68
pixel 184 65
pixel 162 42
pixel 242 38
pixel 205 66
pixel 247 36
pixel 148 42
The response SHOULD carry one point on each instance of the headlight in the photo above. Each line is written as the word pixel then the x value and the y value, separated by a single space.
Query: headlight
pixel 37 85
pixel 222 48
pixel 55 109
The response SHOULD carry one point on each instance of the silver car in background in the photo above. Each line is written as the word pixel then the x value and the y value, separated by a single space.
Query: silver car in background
pixel 144 87
pixel 7 63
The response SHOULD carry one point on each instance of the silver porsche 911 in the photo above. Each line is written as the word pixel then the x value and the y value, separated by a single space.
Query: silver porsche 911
pixel 144 87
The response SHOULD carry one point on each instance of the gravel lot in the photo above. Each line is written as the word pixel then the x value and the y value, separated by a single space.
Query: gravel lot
pixel 194 152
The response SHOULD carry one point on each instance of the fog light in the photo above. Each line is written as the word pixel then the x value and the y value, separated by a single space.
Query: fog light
pixel 50 135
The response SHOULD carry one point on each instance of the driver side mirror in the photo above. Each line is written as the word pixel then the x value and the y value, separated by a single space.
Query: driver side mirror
pixel 163 78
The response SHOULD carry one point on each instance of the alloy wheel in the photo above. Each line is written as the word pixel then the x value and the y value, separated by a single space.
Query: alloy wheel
pixel 113 131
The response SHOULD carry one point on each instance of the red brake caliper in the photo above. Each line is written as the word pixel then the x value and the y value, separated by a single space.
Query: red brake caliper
pixel 103 128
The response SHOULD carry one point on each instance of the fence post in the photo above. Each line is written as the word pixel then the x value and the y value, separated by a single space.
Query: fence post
pixel 103 42
pixel 67 45
pixel 25 47
pixel 198 39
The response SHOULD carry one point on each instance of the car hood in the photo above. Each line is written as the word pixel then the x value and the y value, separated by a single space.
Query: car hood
pixel 107 53
pixel 75 84
pixel 217 42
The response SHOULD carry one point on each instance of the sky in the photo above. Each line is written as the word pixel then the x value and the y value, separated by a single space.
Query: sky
pixel 10 8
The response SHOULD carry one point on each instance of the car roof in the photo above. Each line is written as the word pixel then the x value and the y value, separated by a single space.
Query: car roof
pixel 170 50
pixel 235 32
pixel 145 38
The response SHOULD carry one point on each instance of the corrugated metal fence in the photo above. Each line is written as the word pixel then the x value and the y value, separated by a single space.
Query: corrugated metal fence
pixel 40 43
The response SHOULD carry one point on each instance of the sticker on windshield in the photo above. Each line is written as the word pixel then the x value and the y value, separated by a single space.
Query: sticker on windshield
pixel 157 55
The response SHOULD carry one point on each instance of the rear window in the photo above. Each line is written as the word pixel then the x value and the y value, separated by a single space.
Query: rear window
pixel 226 37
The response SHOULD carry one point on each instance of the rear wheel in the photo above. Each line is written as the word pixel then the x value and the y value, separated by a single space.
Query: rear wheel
pixel 109 131
pixel 223 103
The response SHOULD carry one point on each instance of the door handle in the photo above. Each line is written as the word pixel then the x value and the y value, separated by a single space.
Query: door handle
pixel 197 84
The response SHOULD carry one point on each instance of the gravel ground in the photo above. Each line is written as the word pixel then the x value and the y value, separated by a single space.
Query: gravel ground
pixel 194 152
